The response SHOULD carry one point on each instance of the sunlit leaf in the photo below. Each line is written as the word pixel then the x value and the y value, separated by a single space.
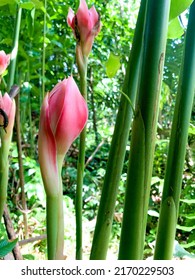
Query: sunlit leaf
pixel 38 4
pixel 112 66
pixel 5 2
pixel 188 216
pixel 175 29
pixel 27 6
pixel 191 129
pixel 188 201
pixel 185 228
pixel 178 6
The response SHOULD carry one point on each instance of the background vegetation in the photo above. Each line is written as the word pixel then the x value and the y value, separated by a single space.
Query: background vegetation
pixel 105 81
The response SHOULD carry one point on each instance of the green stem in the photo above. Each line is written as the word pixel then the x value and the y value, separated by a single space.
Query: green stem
pixel 15 49
pixel 52 226
pixel 118 146
pixel 177 148
pixel 80 166
pixel 43 55
pixel 144 131
pixel 55 224
pixel 21 166
pixel 4 167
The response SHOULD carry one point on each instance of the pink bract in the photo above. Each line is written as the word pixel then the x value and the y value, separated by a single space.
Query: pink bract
pixel 85 25
pixel 63 116
pixel 4 61
pixel 8 106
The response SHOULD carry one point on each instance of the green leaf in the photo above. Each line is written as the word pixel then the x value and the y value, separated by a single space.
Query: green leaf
pixel 188 216
pixel 7 41
pixel 191 129
pixel 5 2
pixel 6 246
pixel 178 6
pixel 187 229
pixel 29 257
pixel 188 201
pixel 27 6
pixel 175 30
pixel 112 66
pixel 38 4
pixel 188 245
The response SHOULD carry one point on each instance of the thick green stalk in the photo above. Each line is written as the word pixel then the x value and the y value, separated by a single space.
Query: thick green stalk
pixel 55 221
pixel 144 131
pixel 82 67
pixel 52 226
pixel 55 227
pixel 177 147
pixel 4 167
pixel 118 146
pixel 15 49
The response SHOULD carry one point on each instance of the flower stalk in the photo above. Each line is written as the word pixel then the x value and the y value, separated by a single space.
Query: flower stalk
pixel 85 25
pixel 80 176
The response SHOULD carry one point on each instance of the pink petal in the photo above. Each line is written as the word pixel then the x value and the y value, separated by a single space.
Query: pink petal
pixel 93 16
pixel 83 16
pixel 55 103
pixel 6 103
pixel 70 18
pixel 4 61
pixel 73 118
pixel 47 152
pixel 9 107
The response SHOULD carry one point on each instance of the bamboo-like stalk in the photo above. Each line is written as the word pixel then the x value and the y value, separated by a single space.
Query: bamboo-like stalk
pixel 144 131
pixel 82 68
pixel 118 146
pixel 15 49
pixel 177 147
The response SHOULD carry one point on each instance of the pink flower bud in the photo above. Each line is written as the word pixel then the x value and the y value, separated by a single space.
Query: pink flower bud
pixel 63 116
pixel 85 25
pixel 7 115
pixel 4 61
